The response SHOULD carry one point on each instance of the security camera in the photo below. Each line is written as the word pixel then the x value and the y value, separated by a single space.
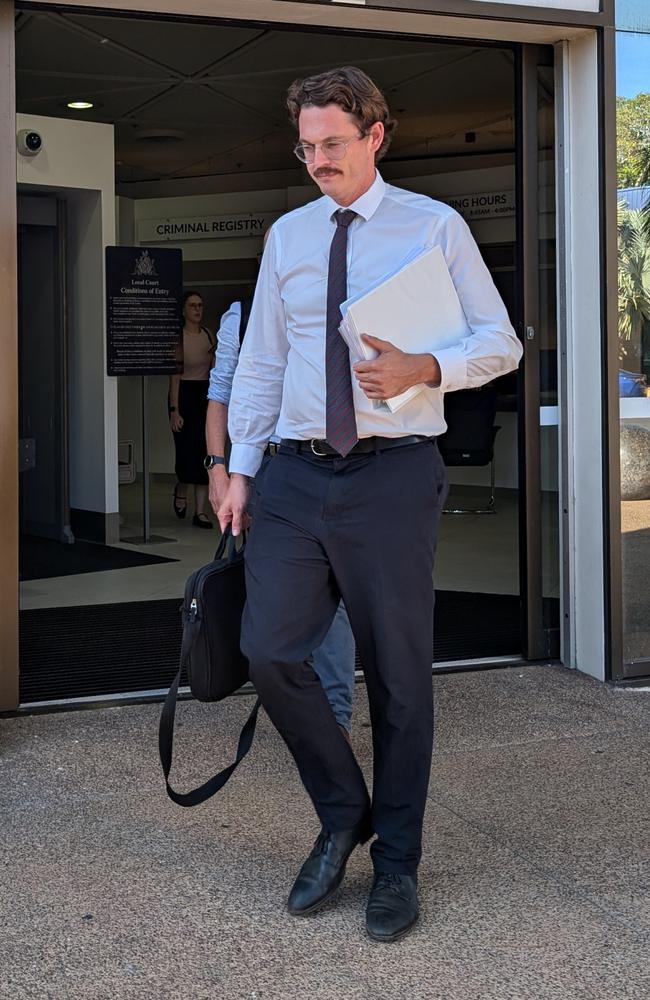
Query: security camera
pixel 29 142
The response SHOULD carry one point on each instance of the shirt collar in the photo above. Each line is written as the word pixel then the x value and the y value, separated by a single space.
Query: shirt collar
pixel 367 204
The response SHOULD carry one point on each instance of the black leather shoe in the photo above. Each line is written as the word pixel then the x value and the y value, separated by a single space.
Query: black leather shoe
pixel 201 521
pixel 392 906
pixel 323 871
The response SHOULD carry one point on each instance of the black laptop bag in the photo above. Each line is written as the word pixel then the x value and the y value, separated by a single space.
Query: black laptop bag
pixel 212 610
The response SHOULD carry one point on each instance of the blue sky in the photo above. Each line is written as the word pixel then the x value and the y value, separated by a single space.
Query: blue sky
pixel 632 63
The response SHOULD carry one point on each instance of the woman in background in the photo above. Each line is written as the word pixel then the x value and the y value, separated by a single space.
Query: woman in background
pixel 188 401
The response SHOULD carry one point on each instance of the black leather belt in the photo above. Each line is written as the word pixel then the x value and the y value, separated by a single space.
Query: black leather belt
pixel 272 448
pixel 322 450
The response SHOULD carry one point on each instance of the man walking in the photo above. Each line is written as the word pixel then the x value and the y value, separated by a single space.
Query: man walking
pixel 351 503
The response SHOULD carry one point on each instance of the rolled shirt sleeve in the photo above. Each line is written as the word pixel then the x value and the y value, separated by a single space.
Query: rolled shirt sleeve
pixel 257 386
pixel 225 361
pixel 492 349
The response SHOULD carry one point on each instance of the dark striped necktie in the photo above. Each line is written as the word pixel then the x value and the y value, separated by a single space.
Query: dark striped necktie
pixel 340 423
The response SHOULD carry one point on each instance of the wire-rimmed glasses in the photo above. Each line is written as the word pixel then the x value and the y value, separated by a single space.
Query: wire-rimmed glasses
pixel 332 149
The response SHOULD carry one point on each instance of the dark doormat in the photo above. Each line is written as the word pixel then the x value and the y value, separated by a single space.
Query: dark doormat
pixel 120 648
pixel 469 626
pixel 43 557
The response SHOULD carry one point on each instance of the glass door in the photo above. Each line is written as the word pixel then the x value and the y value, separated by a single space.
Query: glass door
pixel 471 134
pixel 538 383
pixel 498 557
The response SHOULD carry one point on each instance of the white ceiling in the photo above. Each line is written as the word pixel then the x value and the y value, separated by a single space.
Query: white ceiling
pixel 221 88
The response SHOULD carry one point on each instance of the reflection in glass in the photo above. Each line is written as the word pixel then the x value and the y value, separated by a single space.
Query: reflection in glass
pixel 633 166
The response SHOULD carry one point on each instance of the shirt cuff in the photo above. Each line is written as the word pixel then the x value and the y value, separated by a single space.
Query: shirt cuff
pixel 216 395
pixel 453 368
pixel 245 459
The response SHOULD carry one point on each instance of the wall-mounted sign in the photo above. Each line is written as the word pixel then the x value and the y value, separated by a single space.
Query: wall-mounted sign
pixel 143 310
pixel 474 207
pixel 491 205
pixel 206 227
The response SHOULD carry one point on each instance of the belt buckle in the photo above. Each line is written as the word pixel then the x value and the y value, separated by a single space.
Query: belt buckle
pixel 315 441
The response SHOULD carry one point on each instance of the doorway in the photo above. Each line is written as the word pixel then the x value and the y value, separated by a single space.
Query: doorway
pixel 43 445
pixel 200 131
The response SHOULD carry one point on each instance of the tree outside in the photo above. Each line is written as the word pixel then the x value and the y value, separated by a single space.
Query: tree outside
pixel 633 140
pixel 633 165
pixel 633 284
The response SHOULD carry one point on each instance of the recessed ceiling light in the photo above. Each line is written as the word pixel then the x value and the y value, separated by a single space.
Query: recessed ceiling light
pixel 160 135
pixel 80 105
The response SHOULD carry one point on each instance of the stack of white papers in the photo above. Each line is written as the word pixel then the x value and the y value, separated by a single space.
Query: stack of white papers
pixel 416 308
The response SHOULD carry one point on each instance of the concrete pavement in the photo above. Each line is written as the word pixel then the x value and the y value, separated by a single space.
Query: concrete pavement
pixel 535 882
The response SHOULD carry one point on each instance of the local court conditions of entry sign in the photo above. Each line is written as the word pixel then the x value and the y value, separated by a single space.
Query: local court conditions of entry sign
pixel 143 310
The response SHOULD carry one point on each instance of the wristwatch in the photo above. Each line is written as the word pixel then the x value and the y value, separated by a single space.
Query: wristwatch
pixel 210 461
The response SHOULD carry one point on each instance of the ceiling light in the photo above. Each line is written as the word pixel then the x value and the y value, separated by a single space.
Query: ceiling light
pixel 80 105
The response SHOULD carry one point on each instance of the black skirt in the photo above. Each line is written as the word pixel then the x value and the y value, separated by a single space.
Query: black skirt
pixel 190 440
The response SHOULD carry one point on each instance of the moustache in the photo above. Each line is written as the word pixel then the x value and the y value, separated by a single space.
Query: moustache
pixel 326 172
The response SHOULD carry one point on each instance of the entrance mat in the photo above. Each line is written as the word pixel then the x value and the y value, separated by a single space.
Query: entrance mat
pixel 41 558
pixel 118 648
pixel 469 626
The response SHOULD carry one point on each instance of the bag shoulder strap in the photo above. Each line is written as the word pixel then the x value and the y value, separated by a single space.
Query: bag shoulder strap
pixel 246 306
pixel 166 745
pixel 166 727
pixel 211 337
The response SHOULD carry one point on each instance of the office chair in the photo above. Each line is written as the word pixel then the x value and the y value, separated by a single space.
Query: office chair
pixel 469 439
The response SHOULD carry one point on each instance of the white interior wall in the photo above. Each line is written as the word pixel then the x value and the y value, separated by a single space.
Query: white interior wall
pixel 77 163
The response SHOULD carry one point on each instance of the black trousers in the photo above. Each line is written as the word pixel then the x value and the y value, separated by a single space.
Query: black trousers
pixel 363 528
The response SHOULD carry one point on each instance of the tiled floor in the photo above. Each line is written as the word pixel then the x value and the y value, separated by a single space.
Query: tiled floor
pixel 475 553
pixel 534 882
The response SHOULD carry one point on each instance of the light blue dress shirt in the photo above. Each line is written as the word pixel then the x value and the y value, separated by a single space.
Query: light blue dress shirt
pixel 227 355
pixel 279 384
pixel 226 358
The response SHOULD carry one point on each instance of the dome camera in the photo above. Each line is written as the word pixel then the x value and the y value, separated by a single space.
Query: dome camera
pixel 30 142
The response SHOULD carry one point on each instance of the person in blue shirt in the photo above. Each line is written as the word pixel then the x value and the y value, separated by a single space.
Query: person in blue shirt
pixel 352 501
pixel 334 659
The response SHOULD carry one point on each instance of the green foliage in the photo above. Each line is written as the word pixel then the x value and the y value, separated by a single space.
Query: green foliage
pixel 633 279
pixel 633 140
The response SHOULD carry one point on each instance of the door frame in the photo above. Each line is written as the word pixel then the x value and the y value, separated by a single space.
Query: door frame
pixel 9 368
pixel 530 484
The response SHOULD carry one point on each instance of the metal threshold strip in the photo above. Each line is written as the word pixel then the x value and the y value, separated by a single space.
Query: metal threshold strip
pixel 158 694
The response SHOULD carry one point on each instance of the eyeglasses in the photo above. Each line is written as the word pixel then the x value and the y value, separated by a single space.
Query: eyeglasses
pixel 332 149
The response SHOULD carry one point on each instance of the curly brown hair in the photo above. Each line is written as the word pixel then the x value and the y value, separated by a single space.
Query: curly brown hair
pixel 353 91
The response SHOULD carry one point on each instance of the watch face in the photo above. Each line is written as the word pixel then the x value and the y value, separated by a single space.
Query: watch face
pixel 207 462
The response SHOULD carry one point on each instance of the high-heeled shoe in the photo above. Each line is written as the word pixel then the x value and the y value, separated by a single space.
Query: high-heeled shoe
pixel 201 521
pixel 180 504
